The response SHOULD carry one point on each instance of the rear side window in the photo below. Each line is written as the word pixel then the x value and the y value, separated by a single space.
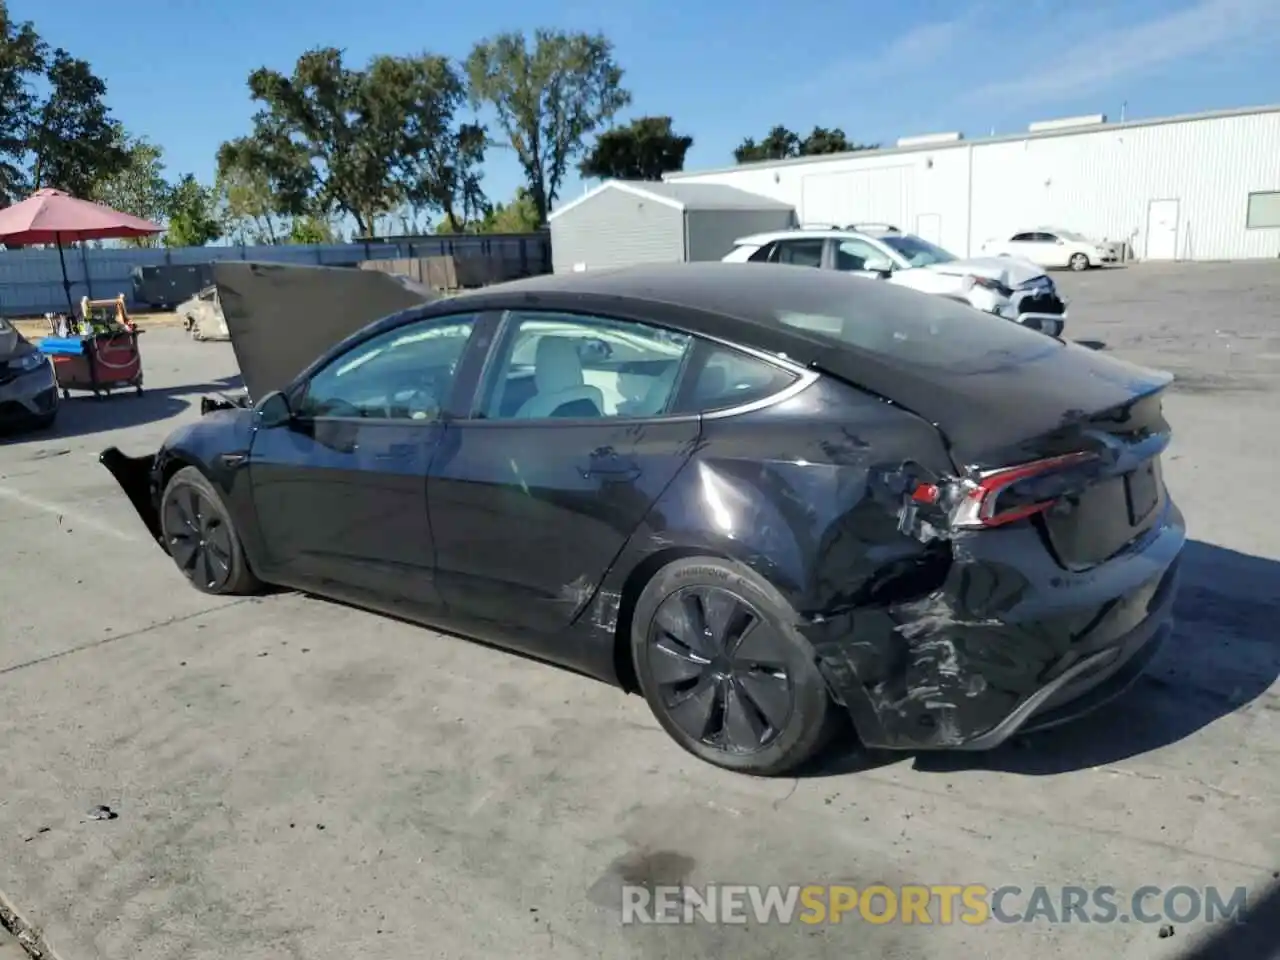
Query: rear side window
pixel 727 378
pixel 801 253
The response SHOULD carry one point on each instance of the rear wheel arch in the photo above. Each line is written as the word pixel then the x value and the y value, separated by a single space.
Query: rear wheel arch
pixel 639 578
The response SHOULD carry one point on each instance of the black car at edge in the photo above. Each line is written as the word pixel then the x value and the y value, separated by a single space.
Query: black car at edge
pixel 762 497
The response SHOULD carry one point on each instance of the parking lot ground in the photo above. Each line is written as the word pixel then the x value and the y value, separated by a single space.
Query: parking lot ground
pixel 297 779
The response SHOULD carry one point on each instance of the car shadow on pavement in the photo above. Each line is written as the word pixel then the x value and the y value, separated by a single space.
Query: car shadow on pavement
pixel 84 415
pixel 1223 654
pixel 1256 938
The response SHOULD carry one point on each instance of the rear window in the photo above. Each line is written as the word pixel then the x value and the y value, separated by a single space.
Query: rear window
pixel 912 329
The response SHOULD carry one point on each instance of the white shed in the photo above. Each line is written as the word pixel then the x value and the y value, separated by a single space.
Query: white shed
pixel 624 222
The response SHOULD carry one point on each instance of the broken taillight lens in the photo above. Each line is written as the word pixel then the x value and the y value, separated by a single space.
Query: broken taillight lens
pixel 998 497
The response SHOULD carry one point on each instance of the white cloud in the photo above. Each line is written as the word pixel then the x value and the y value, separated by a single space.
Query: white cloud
pixel 1207 27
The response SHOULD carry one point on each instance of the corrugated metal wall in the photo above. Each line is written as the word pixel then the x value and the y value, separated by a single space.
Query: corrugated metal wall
pixel 1100 182
pixel 31 280
pixel 616 228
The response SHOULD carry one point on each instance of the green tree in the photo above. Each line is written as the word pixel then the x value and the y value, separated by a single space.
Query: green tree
pixel 193 214
pixel 249 208
pixel 518 216
pixel 325 139
pixel 22 57
pixel 547 99
pixel 644 149
pixel 139 186
pixel 72 137
pixel 308 230
pixel 782 143
pixel 438 155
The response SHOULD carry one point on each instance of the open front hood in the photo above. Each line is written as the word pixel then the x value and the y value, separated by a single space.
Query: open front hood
pixel 1011 271
pixel 281 317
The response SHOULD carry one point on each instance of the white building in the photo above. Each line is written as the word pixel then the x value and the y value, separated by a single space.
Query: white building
pixel 1196 187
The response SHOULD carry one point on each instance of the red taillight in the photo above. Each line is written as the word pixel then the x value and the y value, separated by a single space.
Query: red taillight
pixel 978 505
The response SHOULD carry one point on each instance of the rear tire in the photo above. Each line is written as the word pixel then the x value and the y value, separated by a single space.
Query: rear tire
pixel 724 670
pixel 202 538
pixel 1079 262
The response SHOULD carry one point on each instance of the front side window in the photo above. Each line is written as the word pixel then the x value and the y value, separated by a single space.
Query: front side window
pixel 403 374
pixel 852 255
pixel 557 366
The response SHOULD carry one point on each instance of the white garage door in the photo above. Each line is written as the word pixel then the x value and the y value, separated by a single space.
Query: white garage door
pixel 876 195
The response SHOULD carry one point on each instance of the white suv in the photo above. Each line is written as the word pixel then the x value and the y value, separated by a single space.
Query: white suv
pixel 1009 287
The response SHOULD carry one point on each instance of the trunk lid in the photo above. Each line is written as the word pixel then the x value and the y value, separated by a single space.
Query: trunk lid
pixel 281 317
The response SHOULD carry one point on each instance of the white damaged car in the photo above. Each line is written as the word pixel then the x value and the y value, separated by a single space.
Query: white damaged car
pixel 1009 287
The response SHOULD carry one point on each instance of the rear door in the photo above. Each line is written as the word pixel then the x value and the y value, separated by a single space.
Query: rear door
pixel 568 446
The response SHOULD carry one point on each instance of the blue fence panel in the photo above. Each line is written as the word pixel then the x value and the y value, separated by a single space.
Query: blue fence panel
pixel 31 280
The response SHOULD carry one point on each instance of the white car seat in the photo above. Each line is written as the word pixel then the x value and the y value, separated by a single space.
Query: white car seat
pixel 557 374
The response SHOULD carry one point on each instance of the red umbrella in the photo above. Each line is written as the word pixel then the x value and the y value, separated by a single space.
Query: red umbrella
pixel 51 216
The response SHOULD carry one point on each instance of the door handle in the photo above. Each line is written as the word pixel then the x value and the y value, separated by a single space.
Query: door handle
pixel 609 466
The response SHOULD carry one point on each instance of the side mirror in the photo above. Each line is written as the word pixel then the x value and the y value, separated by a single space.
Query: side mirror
pixel 880 265
pixel 273 410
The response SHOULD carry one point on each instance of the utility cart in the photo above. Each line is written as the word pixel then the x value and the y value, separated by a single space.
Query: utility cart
pixel 98 353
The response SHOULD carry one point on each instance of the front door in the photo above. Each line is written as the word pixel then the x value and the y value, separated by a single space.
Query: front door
pixel 534 496
pixel 340 490
pixel 1162 230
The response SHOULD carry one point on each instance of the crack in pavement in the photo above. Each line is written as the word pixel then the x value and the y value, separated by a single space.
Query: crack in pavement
pixel 125 636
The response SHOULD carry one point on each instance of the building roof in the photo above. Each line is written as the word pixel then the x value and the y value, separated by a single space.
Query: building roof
pixel 674 179
pixel 682 196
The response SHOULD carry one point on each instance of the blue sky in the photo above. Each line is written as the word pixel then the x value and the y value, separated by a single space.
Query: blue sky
pixel 724 69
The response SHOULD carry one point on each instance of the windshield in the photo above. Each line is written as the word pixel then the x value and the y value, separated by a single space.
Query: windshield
pixel 917 252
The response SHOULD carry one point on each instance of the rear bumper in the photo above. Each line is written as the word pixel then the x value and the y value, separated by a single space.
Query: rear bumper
pixel 1010 642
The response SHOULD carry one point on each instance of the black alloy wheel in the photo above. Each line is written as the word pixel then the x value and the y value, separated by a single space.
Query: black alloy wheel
pixel 719 669
pixel 724 669
pixel 201 538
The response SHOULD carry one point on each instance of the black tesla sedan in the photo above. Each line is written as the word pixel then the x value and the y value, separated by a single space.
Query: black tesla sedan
pixel 763 497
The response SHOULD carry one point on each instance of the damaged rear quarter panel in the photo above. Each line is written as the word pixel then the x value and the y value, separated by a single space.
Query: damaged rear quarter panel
pixel 799 492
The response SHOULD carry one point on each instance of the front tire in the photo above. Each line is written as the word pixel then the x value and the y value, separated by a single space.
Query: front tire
pixel 725 671
pixel 202 538
pixel 1079 262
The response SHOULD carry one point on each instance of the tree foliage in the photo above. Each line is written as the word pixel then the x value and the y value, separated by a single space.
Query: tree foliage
pixel 193 214
pixel 518 216
pixel 72 137
pixel 782 143
pixel 360 142
pixel 248 207
pixel 548 98
pixel 644 149
pixel 139 186
pixel 22 57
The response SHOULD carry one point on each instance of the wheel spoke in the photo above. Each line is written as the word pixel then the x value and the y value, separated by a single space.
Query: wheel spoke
pixel 720 610
pixel 697 710
pixel 753 649
pixel 184 551
pixel 744 728
pixel 206 566
pixel 769 693
pixel 672 663
pixel 194 511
